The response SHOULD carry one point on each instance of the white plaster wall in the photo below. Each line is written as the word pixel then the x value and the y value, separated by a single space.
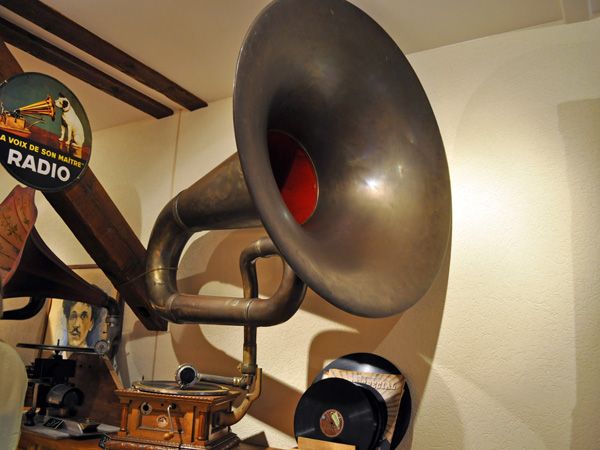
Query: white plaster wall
pixel 502 353
pixel 517 354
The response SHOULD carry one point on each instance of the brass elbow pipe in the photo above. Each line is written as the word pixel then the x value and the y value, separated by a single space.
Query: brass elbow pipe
pixel 234 416
pixel 219 200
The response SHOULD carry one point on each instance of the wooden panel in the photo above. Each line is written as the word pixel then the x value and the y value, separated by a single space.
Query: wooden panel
pixel 315 444
pixel 34 441
pixel 8 63
pixel 93 376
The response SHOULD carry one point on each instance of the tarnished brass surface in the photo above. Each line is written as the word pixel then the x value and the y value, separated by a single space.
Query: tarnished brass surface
pixel 326 74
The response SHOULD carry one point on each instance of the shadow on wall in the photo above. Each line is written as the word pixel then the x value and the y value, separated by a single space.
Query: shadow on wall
pixel 357 334
pixel 578 124
pixel 412 344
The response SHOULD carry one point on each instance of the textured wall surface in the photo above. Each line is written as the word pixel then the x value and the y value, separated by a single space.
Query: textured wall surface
pixel 502 353
pixel 518 346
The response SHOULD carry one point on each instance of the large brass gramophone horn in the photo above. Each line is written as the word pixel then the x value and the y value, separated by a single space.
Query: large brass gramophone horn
pixel 28 268
pixel 319 85
pixel 341 160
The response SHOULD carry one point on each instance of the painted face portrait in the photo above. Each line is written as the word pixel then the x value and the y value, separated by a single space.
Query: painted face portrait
pixel 79 324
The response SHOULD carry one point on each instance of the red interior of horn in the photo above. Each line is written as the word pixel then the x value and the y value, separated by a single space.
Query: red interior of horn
pixel 295 175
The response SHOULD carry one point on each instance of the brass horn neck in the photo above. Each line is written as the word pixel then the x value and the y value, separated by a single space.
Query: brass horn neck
pixel 220 200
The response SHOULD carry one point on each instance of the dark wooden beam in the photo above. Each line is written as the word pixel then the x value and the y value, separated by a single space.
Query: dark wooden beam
pixel 44 51
pixel 98 224
pixel 54 22
pixel 8 63
pixel 100 227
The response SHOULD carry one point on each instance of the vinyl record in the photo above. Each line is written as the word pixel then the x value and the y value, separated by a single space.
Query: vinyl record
pixel 336 410
pixel 368 362
pixel 379 406
pixel 172 388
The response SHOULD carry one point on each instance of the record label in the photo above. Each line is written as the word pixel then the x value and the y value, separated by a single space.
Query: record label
pixel 336 410
pixel 368 363
pixel 332 423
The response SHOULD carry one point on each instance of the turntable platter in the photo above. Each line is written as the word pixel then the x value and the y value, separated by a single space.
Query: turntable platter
pixel 172 388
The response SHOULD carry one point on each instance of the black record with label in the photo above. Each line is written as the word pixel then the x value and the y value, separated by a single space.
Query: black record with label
pixel 337 410
pixel 370 363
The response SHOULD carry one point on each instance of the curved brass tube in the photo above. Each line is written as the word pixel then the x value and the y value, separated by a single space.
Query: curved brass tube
pixel 219 200
pixel 234 416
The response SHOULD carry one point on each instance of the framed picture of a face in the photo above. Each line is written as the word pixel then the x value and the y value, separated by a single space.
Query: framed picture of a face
pixel 79 324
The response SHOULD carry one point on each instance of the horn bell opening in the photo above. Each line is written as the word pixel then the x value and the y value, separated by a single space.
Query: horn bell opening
pixel 332 80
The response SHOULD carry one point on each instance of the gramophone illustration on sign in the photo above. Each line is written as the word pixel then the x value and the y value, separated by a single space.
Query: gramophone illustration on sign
pixel 72 133
pixel 15 122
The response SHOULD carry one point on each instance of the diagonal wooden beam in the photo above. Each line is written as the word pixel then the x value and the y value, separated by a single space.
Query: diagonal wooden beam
pixel 100 227
pixel 54 22
pixel 44 51
pixel 97 223
pixel 8 63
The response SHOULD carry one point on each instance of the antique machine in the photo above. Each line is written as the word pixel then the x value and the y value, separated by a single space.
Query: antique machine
pixel 341 160
pixel 71 397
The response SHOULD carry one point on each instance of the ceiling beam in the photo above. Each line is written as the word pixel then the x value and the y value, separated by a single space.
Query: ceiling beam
pixel 54 22
pixel 45 51
pixel 8 64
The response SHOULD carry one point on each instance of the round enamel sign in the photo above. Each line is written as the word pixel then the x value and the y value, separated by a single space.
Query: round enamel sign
pixel 45 136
